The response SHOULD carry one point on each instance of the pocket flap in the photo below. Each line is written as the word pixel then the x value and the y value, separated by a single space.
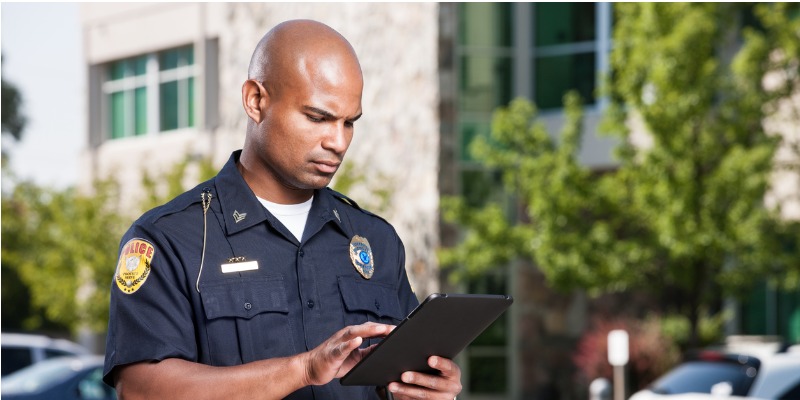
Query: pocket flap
pixel 376 298
pixel 243 298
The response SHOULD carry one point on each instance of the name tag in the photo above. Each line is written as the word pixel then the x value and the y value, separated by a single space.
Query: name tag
pixel 239 266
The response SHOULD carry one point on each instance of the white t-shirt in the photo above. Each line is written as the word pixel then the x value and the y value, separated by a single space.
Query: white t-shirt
pixel 293 216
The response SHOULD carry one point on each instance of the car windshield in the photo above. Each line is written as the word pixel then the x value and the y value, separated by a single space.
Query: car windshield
pixel 40 376
pixel 702 376
pixel 15 358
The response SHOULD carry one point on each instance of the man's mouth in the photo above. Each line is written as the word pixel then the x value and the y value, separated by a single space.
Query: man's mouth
pixel 327 167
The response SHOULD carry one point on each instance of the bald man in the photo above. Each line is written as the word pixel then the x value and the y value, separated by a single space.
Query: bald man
pixel 262 283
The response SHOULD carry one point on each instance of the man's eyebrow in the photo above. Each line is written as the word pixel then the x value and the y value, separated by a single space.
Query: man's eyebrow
pixel 328 114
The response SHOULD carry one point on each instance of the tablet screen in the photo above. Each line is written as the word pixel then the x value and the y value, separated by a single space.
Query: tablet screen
pixel 443 325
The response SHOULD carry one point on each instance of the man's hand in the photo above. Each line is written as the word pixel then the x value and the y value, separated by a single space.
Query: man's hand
pixel 274 378
pixel 340 353
pixel 417 385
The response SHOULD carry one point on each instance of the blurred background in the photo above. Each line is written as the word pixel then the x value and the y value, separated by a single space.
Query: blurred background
pixel 611 166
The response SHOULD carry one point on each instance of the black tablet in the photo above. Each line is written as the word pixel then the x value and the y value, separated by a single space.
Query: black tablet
pixel 443 325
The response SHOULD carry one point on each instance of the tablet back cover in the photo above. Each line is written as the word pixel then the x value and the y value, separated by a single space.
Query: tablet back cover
pixel 443 325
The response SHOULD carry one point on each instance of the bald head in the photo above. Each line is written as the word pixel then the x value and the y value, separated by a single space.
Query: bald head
pixel 297 45
pixel 302 97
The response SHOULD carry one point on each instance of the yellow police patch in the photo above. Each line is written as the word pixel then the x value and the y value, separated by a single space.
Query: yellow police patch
pixel 133 266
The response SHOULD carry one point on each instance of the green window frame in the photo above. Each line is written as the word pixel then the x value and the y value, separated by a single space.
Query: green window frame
pixel 126 89
pixel 564 52
pixel 176 88
pixel 150 93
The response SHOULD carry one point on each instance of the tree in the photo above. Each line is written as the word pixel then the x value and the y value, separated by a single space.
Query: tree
pixel 15 295
pixel 13 121
pixel 685 214
pixel 168 185
pixel 63 245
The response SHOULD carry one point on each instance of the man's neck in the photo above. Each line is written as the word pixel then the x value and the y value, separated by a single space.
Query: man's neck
pixel 271 190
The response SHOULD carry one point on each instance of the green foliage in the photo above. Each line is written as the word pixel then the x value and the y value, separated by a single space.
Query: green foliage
pixel 349 177
pixel 13 121
pixel 685 215
pixel 678 328
pixel 701 186
pixel 61 247
pixel 490 226
pixel 168 185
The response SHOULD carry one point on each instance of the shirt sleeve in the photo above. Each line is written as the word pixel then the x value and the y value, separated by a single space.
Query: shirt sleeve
pixel 150 316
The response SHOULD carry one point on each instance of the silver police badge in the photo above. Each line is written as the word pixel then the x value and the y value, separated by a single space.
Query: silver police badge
pixel 361 255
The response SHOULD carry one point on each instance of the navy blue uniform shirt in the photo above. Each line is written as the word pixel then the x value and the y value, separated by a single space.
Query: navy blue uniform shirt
pixel 294 297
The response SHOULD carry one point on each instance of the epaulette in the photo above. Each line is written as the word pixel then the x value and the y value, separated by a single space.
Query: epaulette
pixel 345 199
pixel 179 203
pixel 352 203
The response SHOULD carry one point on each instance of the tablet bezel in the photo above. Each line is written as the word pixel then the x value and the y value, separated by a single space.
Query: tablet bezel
pixel 442 325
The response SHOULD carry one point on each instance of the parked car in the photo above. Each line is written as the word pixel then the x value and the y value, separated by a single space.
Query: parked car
pixel 21 349
pixel 61 378
pixel 714 375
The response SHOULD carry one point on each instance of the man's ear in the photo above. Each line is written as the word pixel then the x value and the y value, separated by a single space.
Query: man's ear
pixel 254 99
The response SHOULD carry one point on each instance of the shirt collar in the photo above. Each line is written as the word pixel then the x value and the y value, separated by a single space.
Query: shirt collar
pixel 241 209
pixel 239 205
pixel 327 209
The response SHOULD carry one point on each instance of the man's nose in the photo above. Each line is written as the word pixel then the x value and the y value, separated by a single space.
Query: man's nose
pixel 338 138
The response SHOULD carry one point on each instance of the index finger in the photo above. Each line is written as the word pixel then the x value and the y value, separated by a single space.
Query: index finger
pixel 366 330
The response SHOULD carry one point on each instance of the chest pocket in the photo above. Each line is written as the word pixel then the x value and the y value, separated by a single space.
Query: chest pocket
pixel 247 319
pixel 369 301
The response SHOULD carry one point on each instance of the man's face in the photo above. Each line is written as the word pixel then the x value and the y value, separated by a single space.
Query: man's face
pixel 308 123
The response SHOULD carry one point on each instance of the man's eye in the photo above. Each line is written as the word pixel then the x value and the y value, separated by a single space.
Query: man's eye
pixel 313 118
pixel 349 124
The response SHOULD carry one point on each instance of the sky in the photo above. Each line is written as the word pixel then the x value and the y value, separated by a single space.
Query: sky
pixel 42 56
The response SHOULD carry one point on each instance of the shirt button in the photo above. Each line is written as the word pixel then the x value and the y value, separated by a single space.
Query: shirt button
pixel 247 306
pixel 301 253
pixel 310 304
pixel 377 305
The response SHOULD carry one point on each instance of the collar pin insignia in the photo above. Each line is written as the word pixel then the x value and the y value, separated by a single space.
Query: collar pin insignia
pixel 336 213
pixel 238 217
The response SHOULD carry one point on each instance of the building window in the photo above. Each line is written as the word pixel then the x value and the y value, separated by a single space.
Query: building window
pixel 770 311
pixel 126 89
pixel 485 81
pixel 536 50
pixel 487 359
pixel 564 50
pixel 176 88
pixel 150 93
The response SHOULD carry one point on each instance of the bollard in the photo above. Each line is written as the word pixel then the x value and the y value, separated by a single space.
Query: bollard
pixel 618 353
pixel 600 389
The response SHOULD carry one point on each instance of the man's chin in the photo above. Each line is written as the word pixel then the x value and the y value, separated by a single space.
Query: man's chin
pixel 318 181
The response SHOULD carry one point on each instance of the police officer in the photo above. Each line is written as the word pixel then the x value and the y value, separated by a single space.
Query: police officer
pixel 262 282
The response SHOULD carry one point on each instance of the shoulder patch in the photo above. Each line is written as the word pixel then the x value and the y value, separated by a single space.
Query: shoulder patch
pixel 133 266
